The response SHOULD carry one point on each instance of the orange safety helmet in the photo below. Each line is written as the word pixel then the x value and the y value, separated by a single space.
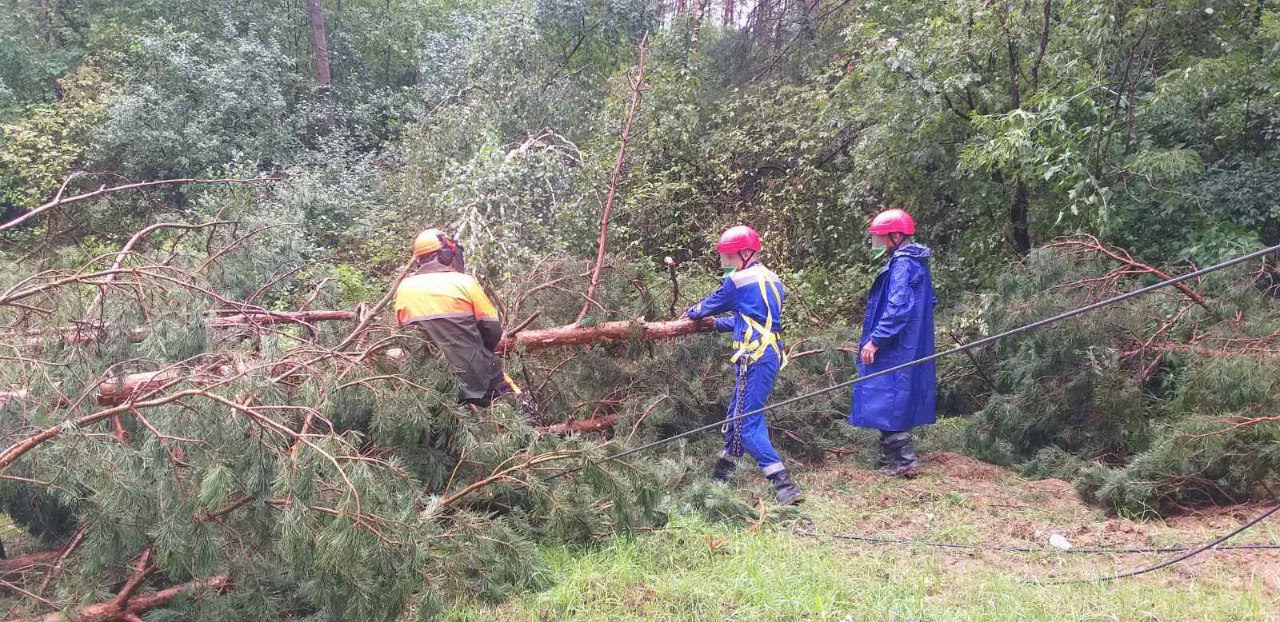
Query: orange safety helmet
pixel 429 241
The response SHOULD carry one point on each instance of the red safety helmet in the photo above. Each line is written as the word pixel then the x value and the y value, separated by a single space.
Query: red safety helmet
pixel 738 239
pixel 893 221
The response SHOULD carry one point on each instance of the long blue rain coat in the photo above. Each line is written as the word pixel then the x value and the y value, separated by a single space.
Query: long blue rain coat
pixel 899 320
pixel 755 296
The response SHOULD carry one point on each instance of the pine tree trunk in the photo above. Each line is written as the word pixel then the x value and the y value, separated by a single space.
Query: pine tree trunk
pixel 118 390
pixel 320 52
pixel 608 332
pixel 529 340
pixel 699 8
pixel 1018 218
pixel 46 15
pixel 1021 194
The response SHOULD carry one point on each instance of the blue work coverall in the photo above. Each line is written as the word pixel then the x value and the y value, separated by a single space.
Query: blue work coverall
pixel 754 294
pixel 899 321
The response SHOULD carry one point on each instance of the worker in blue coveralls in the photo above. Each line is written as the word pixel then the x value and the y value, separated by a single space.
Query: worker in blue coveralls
pixel 754 295
pixel 897 329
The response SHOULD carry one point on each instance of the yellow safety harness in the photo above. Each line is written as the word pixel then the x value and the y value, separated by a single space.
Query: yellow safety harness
pixel 759 338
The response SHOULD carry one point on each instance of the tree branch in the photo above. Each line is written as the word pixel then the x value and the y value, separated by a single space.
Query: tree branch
pixel 58 200
pixel 636 87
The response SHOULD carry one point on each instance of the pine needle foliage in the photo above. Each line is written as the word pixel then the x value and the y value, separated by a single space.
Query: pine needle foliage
pixel 1150 405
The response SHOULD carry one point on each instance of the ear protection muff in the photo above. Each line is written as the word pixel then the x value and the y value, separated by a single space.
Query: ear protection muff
pixel 448 250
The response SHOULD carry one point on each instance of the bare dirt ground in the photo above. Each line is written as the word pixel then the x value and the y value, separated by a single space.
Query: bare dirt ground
pixel 960 500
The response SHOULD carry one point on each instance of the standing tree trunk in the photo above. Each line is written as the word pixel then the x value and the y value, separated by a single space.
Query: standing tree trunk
pixel 728 13
pixel 1018 218
pixel 1021 194
pixel 699 8
pixel 46 16
pixel 320 51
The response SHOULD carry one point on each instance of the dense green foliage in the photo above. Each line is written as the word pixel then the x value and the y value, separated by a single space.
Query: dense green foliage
pixel 1001 125
pixel 1152 404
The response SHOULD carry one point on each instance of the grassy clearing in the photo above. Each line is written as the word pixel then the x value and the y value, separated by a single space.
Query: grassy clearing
pixel 697 570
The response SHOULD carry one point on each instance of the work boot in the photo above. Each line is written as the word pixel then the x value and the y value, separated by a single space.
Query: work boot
pixel 788 492
pixel 883 459
pixel 724 468
pixel 899 454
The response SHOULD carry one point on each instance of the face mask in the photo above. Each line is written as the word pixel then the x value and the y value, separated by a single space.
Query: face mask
pixel 727 270
pixel 878 252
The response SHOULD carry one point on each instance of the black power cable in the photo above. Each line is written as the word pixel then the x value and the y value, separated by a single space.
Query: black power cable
pixel 937 355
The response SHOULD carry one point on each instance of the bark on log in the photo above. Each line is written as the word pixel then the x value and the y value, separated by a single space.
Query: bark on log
pixel 114 609
pixel 117 391
pixel 280 317
pixel 26 563
pixel 608 332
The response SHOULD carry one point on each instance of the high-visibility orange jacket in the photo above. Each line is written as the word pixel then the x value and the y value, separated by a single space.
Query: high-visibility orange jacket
pixel 461 322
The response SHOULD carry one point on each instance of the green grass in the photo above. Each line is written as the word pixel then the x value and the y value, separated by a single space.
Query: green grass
pixel 678 574
pixel 698 570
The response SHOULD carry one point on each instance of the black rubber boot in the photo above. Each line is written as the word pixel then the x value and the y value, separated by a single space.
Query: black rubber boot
pixel 883 459
pixel 899 454
pixel 788 492
pixel 724 468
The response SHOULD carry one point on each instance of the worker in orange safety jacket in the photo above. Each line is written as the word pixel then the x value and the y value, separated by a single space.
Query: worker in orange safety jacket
pixel 459 320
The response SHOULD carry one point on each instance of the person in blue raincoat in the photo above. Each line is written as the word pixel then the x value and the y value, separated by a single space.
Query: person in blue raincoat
pixel 754 295
pixel 897 329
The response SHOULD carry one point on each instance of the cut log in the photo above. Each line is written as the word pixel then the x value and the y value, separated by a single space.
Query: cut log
pixel 608 332
pixel 129 609
pixel 117 391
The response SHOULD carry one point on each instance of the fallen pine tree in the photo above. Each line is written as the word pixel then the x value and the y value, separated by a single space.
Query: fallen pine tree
pixel 327 460
pixel 119 389
pixel 524 340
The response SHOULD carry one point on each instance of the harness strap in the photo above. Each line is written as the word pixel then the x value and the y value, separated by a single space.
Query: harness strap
pixel 751 348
